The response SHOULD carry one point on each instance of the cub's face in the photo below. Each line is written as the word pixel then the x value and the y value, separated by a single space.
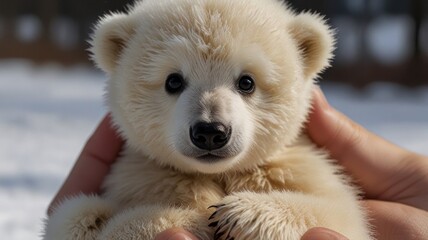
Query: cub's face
pixel 207 87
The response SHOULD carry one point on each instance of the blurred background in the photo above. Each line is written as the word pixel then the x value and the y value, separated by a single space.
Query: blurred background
pixel 378 40
pixel 51 96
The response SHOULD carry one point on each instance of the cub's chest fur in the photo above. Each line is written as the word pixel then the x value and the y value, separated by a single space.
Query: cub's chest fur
pixel 153 184
pixel 265 178
pixel 298 168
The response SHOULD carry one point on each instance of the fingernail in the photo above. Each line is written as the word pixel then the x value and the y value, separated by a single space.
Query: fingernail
pixel 179 236
pixel 327 236
pixel 174 234
pixel 322 234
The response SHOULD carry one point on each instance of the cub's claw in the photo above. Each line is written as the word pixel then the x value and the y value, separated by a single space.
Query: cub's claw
pixel 223 227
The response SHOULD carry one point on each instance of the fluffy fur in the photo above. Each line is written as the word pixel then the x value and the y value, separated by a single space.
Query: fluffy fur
pixel 268 182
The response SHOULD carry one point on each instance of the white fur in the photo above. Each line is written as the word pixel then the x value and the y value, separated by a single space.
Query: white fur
pixel 270 180
pixel 80 217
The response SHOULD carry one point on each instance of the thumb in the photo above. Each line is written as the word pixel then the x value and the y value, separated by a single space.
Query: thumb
pixel 319 233
pixel 367 157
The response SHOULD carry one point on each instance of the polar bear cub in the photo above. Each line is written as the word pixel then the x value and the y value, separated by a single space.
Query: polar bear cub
pixel 211 96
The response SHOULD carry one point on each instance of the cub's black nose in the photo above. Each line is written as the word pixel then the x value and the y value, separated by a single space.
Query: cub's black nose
pixel 209 136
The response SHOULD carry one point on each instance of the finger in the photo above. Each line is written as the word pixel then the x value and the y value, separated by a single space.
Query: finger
pixel 93 163
pixel 372 161
pixel 395 221
pixel 104 144
pixel 319 233
pixel 175 234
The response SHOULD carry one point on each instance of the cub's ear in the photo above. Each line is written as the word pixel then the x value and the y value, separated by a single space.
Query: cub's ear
pixel 315 41
pixel 110 37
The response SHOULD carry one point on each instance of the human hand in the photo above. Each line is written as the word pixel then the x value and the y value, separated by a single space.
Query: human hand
pixel 394 180
pixel 93 164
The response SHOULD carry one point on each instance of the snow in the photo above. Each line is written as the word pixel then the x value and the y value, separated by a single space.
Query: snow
pixel 47 112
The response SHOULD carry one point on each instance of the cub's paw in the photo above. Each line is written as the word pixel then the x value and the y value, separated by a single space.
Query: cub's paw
pixel 237 217
pixel 145 222
pixel 81 217
pixel 249 215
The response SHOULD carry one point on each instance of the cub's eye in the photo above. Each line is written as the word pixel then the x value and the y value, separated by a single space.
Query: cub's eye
pixel 246 84
pixel 174 83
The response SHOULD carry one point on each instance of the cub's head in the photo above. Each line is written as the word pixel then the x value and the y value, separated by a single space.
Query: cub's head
pixel 210 85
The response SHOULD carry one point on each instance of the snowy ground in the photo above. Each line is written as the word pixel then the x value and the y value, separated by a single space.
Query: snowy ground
pixel 47 112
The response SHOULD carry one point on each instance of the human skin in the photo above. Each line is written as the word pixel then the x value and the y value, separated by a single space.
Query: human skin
pixel 93 163
pixel 394 180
